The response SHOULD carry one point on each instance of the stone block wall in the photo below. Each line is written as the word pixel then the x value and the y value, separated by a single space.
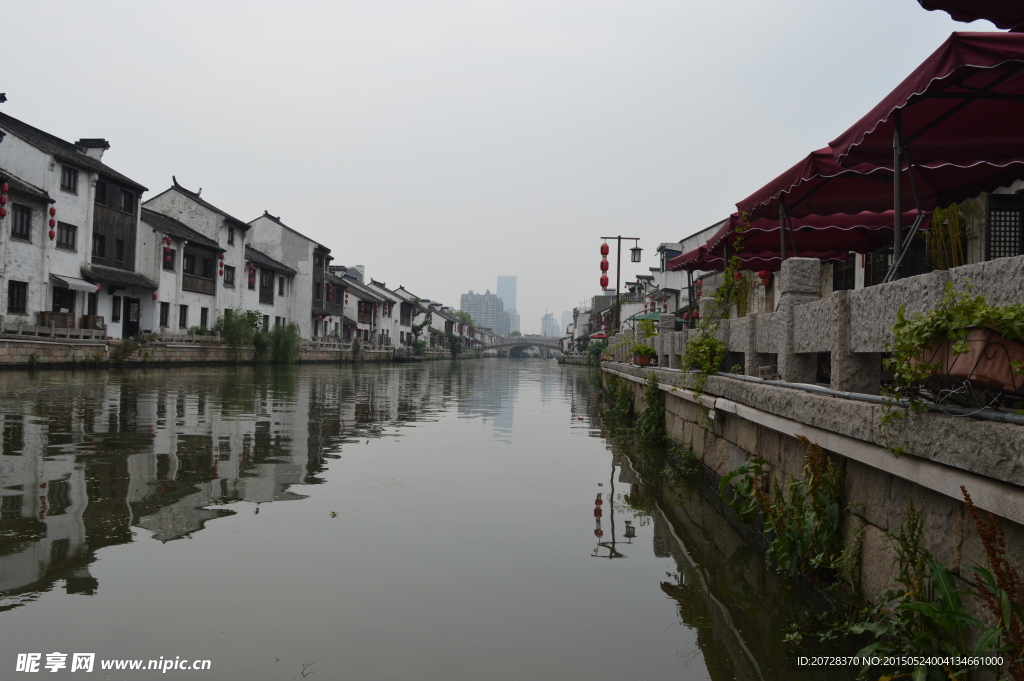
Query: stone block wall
pixel 878 500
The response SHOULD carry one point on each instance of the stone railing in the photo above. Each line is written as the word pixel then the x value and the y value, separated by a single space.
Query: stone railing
pixel 852 327
pixel 15 326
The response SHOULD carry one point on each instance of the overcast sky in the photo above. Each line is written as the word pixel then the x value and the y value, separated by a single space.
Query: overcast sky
pixel 441 144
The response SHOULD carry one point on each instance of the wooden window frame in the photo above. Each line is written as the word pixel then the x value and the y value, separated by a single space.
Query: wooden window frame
pixel 64 230
pixel 69 179
pixel 22 225
pixel 17 297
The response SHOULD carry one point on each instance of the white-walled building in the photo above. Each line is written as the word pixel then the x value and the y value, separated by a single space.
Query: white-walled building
pixel 84 275
pixel 195 264
pixel 310 261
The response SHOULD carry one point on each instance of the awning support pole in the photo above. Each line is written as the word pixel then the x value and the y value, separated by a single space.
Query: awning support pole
pixel 897 194
pixel 689 294
pixel 782 229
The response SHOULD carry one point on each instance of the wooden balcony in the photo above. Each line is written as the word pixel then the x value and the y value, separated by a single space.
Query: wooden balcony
pixel 198 285
pixel 60 320
pixel 92 321
pixel 267 296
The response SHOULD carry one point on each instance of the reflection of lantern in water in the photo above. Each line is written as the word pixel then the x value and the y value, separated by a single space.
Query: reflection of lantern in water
pixel 630 530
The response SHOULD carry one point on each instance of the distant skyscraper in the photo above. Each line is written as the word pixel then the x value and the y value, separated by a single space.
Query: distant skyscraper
pixel 487 310
pixel 507 291
pixel 549 327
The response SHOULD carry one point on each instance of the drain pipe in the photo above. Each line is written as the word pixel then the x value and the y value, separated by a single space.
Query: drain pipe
pixel 984 413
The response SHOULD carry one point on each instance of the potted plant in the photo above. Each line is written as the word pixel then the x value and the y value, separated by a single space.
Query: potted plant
pixel 962 339
pixel 642 354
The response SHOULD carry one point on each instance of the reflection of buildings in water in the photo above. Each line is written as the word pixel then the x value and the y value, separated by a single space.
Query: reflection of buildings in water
pixel 84 462
pixel 490 392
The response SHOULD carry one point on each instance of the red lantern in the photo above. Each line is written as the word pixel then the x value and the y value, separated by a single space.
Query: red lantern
pixel 167 259
pixel 604 265
pixel 598 533
pixel 329 297
pixel 696 314
pixel 251 281
pixel 3 200
pixel 53 223
pixel 766 282
pixel 167 240
pixel 3 212
pixel 686 316
pixel 53 211
pixel 764 274
pixel 221 256
pixel 154 295
pixel 53 234
pixel 604 250
pixel 699 283
pixel 604 281
pixel 98 287
pixel 330 319
pixel 320 317
pixel 737 275
pixel 222 272
pixel 4 188
pixel 167 250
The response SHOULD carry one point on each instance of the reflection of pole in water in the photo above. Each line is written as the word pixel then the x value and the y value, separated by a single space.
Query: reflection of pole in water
pixel 598 512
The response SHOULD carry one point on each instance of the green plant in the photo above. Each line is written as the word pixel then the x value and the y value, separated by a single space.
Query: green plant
pixel 705 353
pixel 238 328
pixel 918 336
pixel 620 400
pixel 33 359
pixel 455 344
pixel 515 333
pixel 641 349
pixel 947 237
pixel 650 423
pixel 1000 586
pixel 923 616
pixel 646 328
pixel 801 519
pixel 285 341
pixel 594 352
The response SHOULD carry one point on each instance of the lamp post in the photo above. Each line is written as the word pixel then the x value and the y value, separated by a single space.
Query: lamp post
pixel 634 256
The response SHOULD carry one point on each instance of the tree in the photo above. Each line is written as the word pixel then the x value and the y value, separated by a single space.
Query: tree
pixel 465 318
pixel 515 333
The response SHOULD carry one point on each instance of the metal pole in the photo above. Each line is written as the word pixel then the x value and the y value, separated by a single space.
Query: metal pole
pixel 897 189
pixel 617 321
pixel 782 229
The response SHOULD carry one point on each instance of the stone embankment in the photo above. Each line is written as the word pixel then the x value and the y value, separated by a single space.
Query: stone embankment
pixel 88 348
pixel 734 420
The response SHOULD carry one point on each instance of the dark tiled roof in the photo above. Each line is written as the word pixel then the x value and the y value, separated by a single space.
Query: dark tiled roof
pixel 348 321
pixel 168 225
pixel 63 150
pixel 264 260
pixel 360 291
pixel 277 219
pixel 20 186
pixel 205 204
pixel 112 275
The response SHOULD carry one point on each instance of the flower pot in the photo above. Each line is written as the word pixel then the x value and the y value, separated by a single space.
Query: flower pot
pixel 986 364
pixel 642 360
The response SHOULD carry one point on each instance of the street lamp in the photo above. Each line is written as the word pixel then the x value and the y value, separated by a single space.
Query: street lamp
pixel 635 257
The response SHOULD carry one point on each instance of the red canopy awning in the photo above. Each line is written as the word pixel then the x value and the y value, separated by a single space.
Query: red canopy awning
pixel 700 259
pixel 861 233
pixel 817 185
pixel 962 105
pixel 1002 13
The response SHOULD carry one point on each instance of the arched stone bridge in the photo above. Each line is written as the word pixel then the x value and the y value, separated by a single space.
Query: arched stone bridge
pixel 525 342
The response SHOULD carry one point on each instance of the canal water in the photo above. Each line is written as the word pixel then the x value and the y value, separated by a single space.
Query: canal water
pixel 445 521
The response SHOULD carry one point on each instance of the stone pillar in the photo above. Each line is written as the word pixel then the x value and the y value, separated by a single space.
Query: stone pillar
pixel 858 372
pixel 666 327
pixel 673 349
pixel 799 283
pixel 752 360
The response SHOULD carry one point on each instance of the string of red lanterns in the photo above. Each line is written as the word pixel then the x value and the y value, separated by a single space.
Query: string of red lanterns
pixel 4 188
pixel 53 223
pixel 604 266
